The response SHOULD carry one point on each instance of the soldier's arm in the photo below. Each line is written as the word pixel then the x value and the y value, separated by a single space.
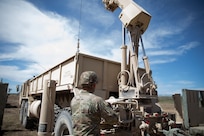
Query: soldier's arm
pixel 107 113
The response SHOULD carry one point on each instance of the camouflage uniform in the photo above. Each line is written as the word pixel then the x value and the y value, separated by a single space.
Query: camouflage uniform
pixel 87 111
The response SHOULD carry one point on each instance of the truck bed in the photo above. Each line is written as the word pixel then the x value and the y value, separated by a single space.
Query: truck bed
pixel 67 75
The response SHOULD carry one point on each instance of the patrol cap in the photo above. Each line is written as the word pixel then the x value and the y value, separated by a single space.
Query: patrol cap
pixel 88 77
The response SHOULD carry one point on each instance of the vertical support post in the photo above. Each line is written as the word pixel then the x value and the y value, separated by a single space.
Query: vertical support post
pixel 124 57
pixel 177 103
pixel 185 108
pixel 3 99
pixel 123 64
pixel 47 109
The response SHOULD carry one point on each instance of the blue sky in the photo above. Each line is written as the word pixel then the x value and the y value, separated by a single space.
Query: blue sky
pixel 35 35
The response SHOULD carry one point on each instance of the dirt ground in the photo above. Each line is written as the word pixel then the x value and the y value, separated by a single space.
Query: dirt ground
pixel 11 124
pixel 12 127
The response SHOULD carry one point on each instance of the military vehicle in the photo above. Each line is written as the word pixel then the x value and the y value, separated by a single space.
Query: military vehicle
pixel 129 89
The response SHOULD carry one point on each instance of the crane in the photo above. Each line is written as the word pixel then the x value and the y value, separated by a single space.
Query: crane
pixel 136 20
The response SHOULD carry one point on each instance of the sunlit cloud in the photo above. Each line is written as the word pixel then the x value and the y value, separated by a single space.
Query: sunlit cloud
pixel 92 12
pixel 163 61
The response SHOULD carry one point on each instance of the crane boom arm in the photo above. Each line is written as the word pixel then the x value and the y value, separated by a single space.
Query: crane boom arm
pixel 132 14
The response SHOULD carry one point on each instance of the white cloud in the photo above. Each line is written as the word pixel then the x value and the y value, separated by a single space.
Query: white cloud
pixel 176 51
pixel 188 46
pixel 101 43
pixel 38 33
pixel 157 32
pixel 163 60
pixel 92 12
pixel 42 38
pixel 162 52
pixel 170 87
pixel 16 74
pixel 185 82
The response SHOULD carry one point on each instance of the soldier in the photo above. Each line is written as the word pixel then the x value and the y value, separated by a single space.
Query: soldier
pixel 88 109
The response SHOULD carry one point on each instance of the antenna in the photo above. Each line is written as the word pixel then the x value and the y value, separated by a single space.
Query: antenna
pixel 78 40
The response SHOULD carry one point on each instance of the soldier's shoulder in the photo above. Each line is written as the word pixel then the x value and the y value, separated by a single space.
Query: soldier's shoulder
pixel 95 97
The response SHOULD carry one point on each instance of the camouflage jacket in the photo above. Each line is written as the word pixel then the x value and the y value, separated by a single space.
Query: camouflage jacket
pixel 87 111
